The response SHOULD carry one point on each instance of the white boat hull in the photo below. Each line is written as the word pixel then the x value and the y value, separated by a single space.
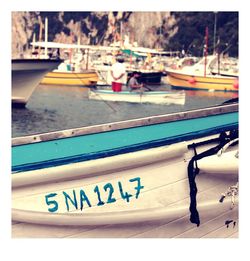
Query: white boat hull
pixel 113 218
pixel 26 75
pixel 163 196
pixel 138 97
pixel 227 164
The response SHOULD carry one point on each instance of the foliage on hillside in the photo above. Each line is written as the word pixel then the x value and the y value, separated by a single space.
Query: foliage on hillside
pixel 191 32
pixel 189 26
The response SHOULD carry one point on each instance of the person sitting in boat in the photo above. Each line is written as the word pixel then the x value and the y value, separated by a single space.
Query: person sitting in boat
pixel 134 85
pixel 118 73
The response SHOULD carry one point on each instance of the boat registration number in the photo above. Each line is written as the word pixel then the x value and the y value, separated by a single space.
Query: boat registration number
pixel 100 195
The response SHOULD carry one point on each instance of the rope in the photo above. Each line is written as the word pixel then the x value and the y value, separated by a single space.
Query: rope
pixel 193 171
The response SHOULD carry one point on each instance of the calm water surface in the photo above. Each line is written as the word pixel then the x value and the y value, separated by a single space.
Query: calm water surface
pixel 52 108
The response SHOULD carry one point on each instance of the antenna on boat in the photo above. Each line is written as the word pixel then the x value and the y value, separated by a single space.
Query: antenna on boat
pixel 215 27
pixel 121 35
pixel 33 41
pixel 205 51
pixel 46 37
pixel 40 35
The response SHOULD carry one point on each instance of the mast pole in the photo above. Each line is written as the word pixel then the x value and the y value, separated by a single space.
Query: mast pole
pixel 215 27
pixel 206 48
pixel 46 37
pixel 40 35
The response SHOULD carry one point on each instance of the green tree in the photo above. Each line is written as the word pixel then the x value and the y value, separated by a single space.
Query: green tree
pixel 191 28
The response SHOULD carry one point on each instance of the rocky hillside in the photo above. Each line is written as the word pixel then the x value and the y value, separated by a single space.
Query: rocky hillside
pixel 167 30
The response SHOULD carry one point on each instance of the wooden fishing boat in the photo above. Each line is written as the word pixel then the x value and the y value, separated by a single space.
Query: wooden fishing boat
pixel 71 78
pixel 157 97
pixel 133 178
pixel 209 82
pixel 201 77
pixel 26 75
pixel 71 71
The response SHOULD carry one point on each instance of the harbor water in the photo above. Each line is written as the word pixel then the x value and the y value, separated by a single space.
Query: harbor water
pixel 52 108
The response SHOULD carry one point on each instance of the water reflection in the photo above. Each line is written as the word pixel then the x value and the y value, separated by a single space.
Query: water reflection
pixel 54 108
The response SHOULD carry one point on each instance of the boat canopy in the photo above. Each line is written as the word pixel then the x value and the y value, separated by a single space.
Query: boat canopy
pixel 73 46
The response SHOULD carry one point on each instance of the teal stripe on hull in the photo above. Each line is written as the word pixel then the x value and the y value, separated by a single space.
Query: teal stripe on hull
pixel 81 148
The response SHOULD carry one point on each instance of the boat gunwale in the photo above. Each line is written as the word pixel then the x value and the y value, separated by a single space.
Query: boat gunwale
pixel 151 93
pixel 182 76
pixel 58 74
pixel 145 121
pixel 202 82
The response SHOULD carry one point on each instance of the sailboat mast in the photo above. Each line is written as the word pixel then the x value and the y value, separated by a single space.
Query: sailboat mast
pixel 205 52
pixel 215 27
pixel 40 35
pixel 121 36
pixel 46 37
pixel 33 41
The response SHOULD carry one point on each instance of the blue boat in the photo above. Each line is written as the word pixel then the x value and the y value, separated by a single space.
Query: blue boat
pixel 126 172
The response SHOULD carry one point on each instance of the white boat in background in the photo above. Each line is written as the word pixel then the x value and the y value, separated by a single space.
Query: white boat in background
pixel 228 66
pixel 26 75
pixel 157 97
